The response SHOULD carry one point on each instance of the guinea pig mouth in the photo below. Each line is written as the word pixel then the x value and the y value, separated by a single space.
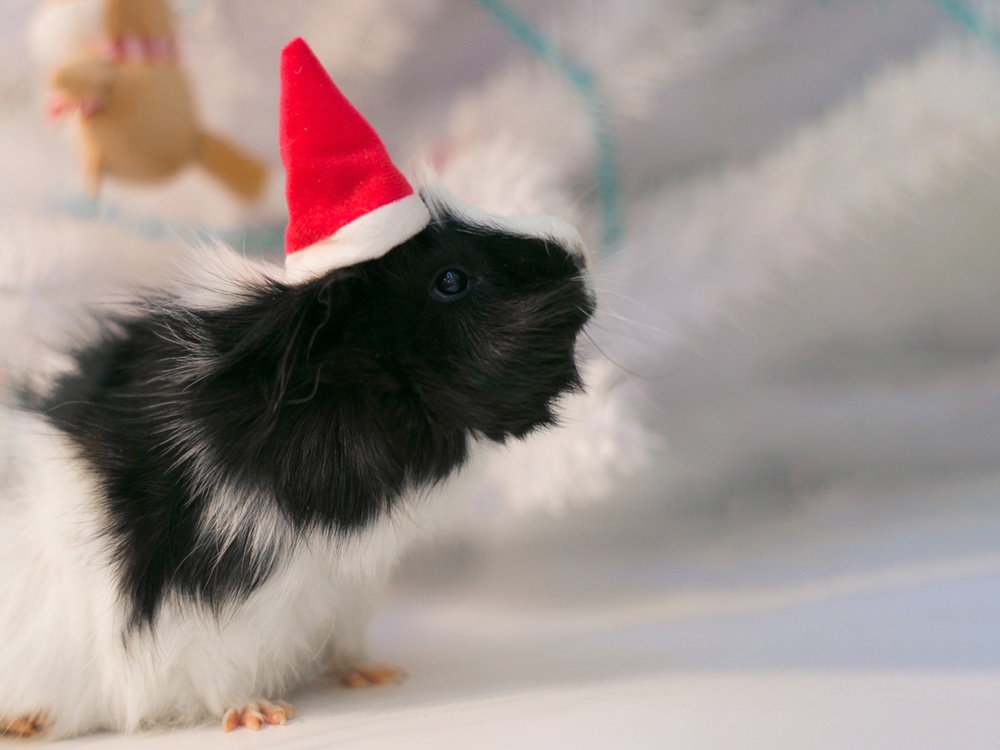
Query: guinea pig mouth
pixel 528 401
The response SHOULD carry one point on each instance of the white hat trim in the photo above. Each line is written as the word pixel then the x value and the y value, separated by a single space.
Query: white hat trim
pixel 369 236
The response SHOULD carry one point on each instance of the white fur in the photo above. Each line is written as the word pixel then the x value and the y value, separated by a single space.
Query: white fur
pixel 212 276
pixel 65 652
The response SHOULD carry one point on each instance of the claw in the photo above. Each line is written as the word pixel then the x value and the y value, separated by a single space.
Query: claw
pixel 23 726
pixel 255 715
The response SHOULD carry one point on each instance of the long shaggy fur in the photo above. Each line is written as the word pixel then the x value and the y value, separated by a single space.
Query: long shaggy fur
pixel 200 511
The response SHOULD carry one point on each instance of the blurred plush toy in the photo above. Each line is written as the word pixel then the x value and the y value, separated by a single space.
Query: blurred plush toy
pixel 118 71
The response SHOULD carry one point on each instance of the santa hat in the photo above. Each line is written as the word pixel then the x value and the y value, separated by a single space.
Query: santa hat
pixel 347 202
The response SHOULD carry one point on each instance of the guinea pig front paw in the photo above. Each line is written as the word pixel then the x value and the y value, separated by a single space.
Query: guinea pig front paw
pixel 255 715
pixel 359 677
pixel 23 726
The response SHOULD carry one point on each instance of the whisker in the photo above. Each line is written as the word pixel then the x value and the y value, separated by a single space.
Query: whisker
pixel 638 324
pixel 624 335
pixel 619 365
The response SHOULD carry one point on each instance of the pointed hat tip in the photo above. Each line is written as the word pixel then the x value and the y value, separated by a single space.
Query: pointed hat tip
pixel 296 46
pixel 297 52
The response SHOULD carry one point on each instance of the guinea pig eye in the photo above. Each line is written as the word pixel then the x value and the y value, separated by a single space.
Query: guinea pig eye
pixel 451 283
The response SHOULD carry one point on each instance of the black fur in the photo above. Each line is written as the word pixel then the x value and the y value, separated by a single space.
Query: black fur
pixel 329 398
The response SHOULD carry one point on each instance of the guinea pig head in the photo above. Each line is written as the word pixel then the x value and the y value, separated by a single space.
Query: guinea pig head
pixel 407 325
pixel 472 323
pixel 474 315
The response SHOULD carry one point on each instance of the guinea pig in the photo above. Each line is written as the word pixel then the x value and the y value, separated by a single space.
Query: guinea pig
pixel 199 514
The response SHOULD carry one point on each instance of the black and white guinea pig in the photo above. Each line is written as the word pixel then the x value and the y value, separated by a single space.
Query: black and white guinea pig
pixel 200 513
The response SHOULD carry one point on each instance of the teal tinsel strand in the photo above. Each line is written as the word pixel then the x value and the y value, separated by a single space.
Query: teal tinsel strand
pixel 967 17
pixel 258 239
pixel 581 79
pixel 972 21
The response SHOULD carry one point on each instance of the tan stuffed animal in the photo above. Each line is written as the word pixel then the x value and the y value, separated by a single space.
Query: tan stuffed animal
pixel 136 113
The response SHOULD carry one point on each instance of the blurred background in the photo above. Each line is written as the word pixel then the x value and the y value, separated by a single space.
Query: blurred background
pixel 773 520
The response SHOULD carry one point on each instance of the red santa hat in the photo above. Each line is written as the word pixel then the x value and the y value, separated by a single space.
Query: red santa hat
pixel 347 201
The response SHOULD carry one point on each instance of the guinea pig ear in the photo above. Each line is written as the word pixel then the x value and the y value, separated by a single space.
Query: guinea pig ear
pixel 347 201
pixel 274 335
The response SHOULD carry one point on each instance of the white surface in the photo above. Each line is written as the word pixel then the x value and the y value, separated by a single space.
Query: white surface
pixel 837 621
pixel 693 710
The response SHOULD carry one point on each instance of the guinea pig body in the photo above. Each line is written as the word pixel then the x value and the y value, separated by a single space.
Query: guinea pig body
pixel 201 512
pixel 74 660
